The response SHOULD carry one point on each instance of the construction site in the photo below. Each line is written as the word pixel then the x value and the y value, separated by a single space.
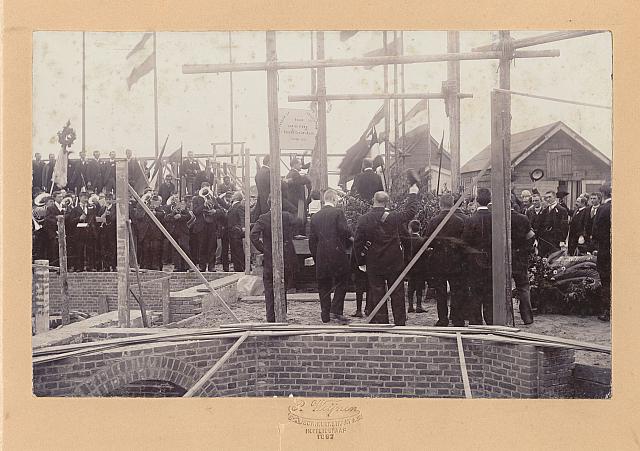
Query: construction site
pixel 137 332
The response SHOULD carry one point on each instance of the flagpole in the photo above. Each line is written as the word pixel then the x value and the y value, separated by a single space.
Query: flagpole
pixel 441 150
pixel 429 145
pixel 83 92
pixel 387 104
pixel 155 92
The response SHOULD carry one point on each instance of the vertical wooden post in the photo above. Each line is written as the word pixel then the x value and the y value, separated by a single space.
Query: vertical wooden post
pixel 501 192
pixel 247 210
pixel 41 282
pixel 277 252
pixel 166 313
pixel 64 282
pixel 230 102
pixel 453 84
pixel 387 117
pixel 396 105
pixel 319 160
pixel 122 241
pixel 155 95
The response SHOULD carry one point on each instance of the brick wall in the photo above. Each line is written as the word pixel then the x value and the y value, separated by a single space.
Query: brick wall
pixel 86 287
pixel 355 364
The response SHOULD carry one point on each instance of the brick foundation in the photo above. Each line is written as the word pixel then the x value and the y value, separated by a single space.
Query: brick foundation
pixel 352 364
pixel 85 288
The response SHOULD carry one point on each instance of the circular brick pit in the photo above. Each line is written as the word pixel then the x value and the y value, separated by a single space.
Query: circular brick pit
pixel 346 364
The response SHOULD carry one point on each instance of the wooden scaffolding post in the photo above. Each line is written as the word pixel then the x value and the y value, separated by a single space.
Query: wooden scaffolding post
pixel 387 116
pixel 319 160
pixel 122 241
pixel 453 82
pixel 64 282
pixel 247 209
pixel 41 295
pixel 277 252
pixel 501 190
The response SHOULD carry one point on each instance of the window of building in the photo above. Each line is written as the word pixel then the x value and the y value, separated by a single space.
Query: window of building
pixel 559 164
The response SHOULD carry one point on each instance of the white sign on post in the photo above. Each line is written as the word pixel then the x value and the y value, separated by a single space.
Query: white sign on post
pixel 298 129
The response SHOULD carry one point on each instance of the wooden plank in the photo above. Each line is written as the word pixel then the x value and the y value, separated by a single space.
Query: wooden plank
pixel 182 253
pixel 64 280
pixel 166 299
pixel 41 295
pixel 204 379
pixel 359 61
pixel 501 203
pixel 320 152
pixel 247 209
pixel 537 40
pixel 103 304
pixel 277 252
pixel 463 367
pixel 377 96
pixel 453 84
pixel 139 299
pixel 122 241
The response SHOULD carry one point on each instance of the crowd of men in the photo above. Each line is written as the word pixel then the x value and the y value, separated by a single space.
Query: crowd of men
pixel 209 215
pixel 456 266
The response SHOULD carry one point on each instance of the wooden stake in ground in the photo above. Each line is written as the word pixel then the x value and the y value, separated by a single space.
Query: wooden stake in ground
pixel 64 282
pixel 122 241
pixel 41 295
pixel 277 253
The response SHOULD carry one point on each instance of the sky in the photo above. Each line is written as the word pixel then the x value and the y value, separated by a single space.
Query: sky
pixel 194 110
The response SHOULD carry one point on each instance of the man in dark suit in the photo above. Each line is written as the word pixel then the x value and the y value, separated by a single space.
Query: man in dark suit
pixel 595 200
pixel 262 239
pixel 205 176
pixel 51 227
pixel 477 236
pixel 298 191
pixel 37 171
pixel 328 237
pixel 601 234
pixel 377 230
pixel 536 213
pixel 47 173
pixel 263 184
pixel 167 188
pixel 94 173
pixel 190 169
pixel 180 232
pixel 81 234
pixel 445 263
pixel 577 232
pixel 235 227
pixel 107 233
pixel 79 171
pixel 367 183
pixel 108 175
pixel 150 238
pixel 521 246
pixel 555 226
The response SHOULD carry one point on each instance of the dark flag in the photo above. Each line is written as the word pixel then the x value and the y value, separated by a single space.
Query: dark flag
pixel 144 66
pixel 137 178
pixel 176 159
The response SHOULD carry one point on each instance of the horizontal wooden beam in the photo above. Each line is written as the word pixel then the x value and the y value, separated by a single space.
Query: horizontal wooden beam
pixel 334 97
pixel 553 99
pixel 537 40
pixel 361 61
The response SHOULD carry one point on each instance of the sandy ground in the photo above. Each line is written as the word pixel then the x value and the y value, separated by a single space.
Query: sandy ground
pixel 588 329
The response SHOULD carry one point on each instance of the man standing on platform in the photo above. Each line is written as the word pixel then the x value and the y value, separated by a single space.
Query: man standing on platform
pixel 298 190
pixel 367 183
pixel 477 234
pixel 190 169
pixel 47 173
pixel 601 234
pixel 94 173
pixel 167 189
pixel 377 230
pixel 328 237
pixel 37 172
pixel 262 239
pixel 108 175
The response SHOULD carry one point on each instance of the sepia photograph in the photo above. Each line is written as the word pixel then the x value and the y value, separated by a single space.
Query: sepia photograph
pixel 322 214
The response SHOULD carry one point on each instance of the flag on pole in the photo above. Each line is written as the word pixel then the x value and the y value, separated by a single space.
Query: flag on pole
pixel 351 164
pixel 144 57
pixel 137 178
pixel 59 175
